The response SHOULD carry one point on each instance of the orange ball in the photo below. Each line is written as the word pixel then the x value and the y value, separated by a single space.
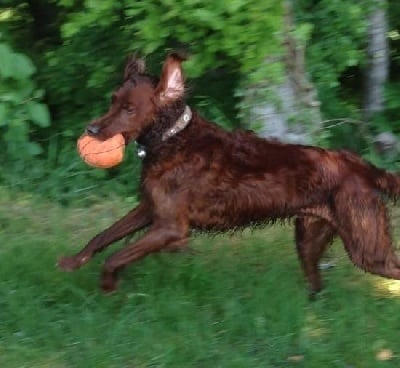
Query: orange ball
pixel 101 154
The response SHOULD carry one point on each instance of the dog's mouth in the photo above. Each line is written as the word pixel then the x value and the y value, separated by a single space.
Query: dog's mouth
pixel 103 136
pixel 127 140
pixel 129 137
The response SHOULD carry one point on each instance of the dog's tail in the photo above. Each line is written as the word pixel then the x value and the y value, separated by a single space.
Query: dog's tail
pixel 389 184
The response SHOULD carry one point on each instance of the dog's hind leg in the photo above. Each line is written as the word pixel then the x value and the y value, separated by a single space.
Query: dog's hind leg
pixel 134 220
pixel 312 235
pixel 363 225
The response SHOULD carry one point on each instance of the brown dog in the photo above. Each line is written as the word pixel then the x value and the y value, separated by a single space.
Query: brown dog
pixel 196 175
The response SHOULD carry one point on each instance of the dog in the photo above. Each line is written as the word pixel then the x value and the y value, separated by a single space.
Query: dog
pixel 195 175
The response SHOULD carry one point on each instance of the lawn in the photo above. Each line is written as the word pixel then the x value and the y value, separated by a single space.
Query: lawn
pixel 239 302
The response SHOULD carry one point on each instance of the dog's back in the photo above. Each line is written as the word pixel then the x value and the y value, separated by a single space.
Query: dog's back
pixel 195 175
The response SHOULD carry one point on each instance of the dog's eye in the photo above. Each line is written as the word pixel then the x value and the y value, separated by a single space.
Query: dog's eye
pixel 129 108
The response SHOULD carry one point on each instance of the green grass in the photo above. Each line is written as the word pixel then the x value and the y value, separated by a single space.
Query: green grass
pixel 240 302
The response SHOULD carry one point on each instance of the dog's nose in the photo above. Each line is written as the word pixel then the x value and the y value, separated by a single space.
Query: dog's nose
pixel 93 129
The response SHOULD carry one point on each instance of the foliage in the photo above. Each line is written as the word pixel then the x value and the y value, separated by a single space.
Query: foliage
pixel 80 47
pixel 336 60
pixel 21 113
pixel 211 32
pixel 392 113
pixel 219 52
pixel 85 51
pixel 37 158
pixel 336 44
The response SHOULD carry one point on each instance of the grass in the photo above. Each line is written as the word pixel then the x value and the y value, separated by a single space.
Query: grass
pixel 240 302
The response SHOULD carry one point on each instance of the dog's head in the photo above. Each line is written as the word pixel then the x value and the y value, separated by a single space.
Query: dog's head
pixel 136 105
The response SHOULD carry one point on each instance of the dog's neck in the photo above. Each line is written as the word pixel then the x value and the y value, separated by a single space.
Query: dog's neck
pixel 180 124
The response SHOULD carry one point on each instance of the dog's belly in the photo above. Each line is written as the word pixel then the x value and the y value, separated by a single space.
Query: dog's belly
pixel 243 206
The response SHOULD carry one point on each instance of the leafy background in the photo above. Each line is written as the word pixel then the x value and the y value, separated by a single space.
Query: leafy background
pixel 60 60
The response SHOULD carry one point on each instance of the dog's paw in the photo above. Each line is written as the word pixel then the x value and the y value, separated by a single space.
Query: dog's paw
pixel 70 263
pixel 108 283
pixel 315 295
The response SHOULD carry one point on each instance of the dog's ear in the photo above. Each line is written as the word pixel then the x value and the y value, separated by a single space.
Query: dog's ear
pixel 134 66
pixel 171 85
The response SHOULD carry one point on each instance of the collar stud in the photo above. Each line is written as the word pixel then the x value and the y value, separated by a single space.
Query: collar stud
pixel 180 124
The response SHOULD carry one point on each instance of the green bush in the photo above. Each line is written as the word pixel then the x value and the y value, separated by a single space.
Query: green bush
pixel 21 112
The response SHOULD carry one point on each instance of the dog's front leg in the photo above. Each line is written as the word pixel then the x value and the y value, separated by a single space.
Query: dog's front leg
pixel 134 220
pixel 155 240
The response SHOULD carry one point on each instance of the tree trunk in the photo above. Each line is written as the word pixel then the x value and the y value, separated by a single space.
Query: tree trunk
pixel 378 60
pixel 294 113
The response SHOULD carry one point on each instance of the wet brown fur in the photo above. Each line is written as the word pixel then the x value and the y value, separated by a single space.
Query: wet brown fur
pixel 210 179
